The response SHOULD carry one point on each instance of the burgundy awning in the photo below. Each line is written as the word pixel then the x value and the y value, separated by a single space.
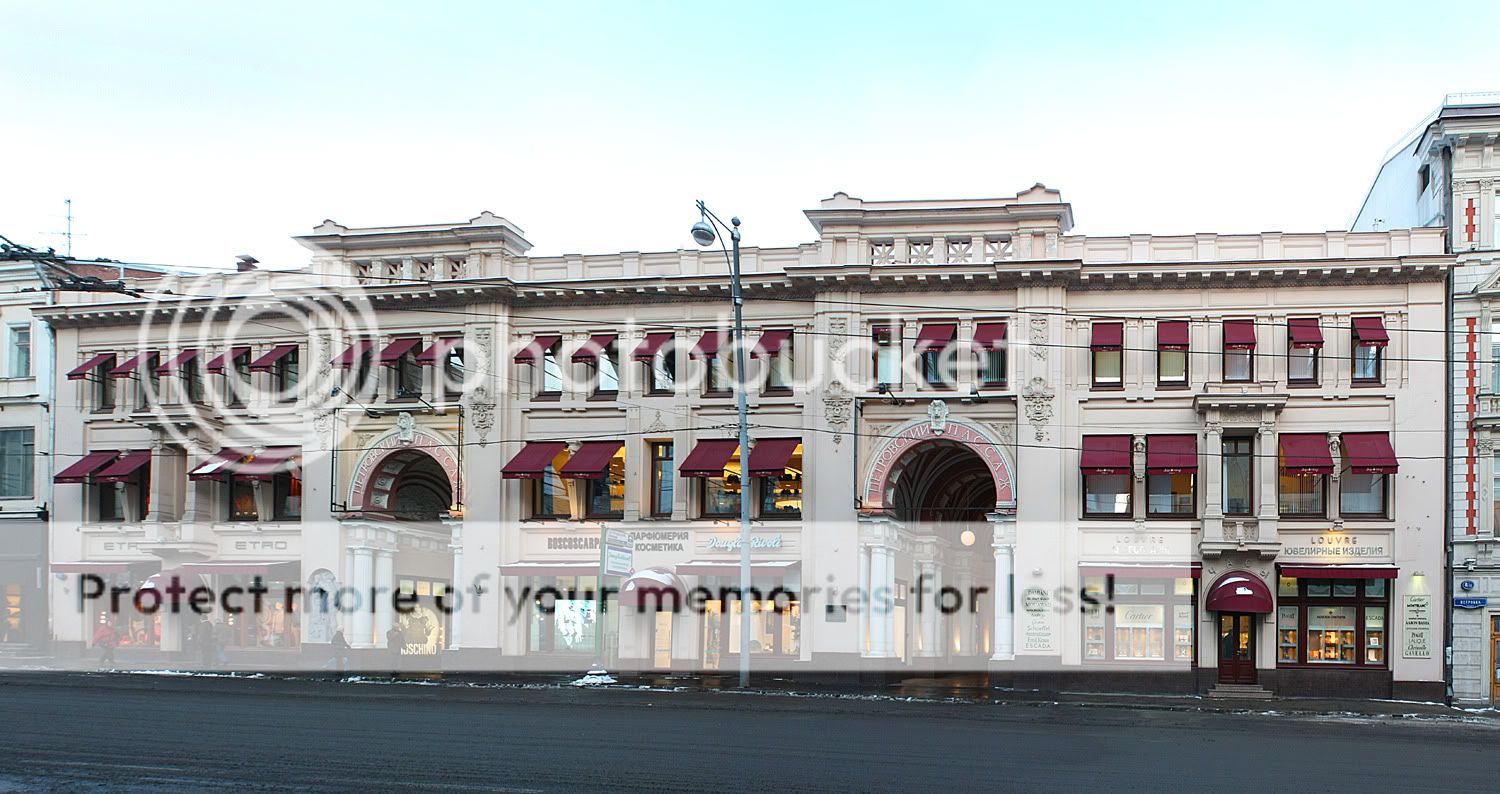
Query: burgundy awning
pixel 533 351
pixel 1105 455
pixel 83 467
pixel 1304 332
pixel 1339 571
pixel 552 568
pixel 770 343
pixel 1107 336
pixel 133 364
pixel 1172 335
pixel 268 361
pixel 220 362
pixel 83 370
pixel 732 568
pixel 1239 334
pixel 438 351
pixel 532 460
pixel 265 464
pixel 653 342
pixel 1370 332
pixel 590 350
pixel 591 461
pixel 652 588
pixel 709 344
pixel 934 336
pixel 175 364
pixel 989 336
pixel 353 354
pixel 1238 591
pixel 218 465
pixel 1171 454
pixel 391 354
pixel 1305 453
pixel 121 469
pixel 769 456
pixel 1370 453
pixel 244 568
pixel 709 457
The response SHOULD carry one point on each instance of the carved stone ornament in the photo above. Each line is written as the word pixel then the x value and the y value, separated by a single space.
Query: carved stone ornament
pixel 838 409
pixel 405 425
pixel 1485 446
pixel 657 425
pixel 1235 415
pixel 482 413
pixel 1038 399
pixel 323 424
pixel 838 329
pixel 937 416
pixel 1039 338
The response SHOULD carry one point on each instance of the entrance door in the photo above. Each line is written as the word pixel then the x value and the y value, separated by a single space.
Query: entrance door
pixel 661 651
pixel 1236 648
pixel 1495 659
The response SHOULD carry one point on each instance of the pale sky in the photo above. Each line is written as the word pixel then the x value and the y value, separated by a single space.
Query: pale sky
pixel 187 133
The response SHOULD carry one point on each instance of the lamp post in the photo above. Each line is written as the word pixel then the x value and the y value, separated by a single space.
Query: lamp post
pixel 704 235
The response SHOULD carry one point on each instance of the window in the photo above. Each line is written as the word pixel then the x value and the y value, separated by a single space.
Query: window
pixel 17 462
pixel 661 479
pixel 606 370
pixel 550 496
pixel 408 376
pixel 563 613
pixel 20 351
pixel 104 387
pixel 779 368
pixel 286 372
pixel 887 343
pixel 1106 494
pixel 1147 620
pixel 1361 495
pixel 1301 493
pixel 1366 363
pixel 1237 459
pixel 606 495
pixel 721 495
pixel 663 366
pixel 1172 353
pixel 1106 349
pixel 192 380
pixel 286 488
pixel 1495 358
pixel 1304 343
pixel 242 500
pixel 109 503
pixel 938 367
pixel 1331 622
pixel 781 497
pixel 990 347
pixel 1239 351
pixel 1495 498
pixel 721 370
pixel 237 377
pixel 453 372
pixel 1170 494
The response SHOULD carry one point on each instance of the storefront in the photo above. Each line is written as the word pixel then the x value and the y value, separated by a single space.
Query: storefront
pixel 1140 616
pixel 23 566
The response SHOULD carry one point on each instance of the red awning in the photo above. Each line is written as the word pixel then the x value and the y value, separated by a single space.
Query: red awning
pixel 1340 571
pixel 709 344
pixel 174 365
pixel 1172 335
pixel 552 568
pixel 732 568
pixel 393 352
pixel 989 336
pixel 1171 454
pixel 653 588
pixel 1105 455
pixel 121 469
pixel 532 460
pixel 1370 332
pixel 1305 453
pixel 591 461
pixel 1304 332
pixel 770 343
pixel 1238 591
pixel 653 342
pixel 709 457
pixel 1370 453
pixel 934 336
pixel 83 370
pixel 245 568
pixel 222 361
pixel 352 354
pixel 769 456
pixel 265 464
pixel 268 361
pixel 133 364
pixel 438 351
pixel 217 466
pixel 1239 334
pixel 1107 336
pixel 536 348
pixel 590 350
pixel 88 464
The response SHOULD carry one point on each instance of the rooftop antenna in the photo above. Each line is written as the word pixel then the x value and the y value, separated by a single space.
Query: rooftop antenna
pixel 67 233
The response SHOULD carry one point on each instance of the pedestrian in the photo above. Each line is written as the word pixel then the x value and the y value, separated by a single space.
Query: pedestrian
pixel 340 651
pixel 104 640
pixel 393 642
pixel 207 643
pixel 221 642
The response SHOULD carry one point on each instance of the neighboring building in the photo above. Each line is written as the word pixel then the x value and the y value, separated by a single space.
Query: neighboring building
pixel 1446 174
pixel 1231 441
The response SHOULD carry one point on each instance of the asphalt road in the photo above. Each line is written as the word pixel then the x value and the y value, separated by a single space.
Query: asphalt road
pixel 167 734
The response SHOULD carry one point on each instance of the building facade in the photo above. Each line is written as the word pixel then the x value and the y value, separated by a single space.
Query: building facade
pixel 979 442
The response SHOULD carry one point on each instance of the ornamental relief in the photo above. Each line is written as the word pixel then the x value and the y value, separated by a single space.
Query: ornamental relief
pixel 838 409
pixel 481 413
pixel 1038 400
pixel 1039 338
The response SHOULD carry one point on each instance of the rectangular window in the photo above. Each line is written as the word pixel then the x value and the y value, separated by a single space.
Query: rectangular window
pixel 1106 494
pixel 108 503
pixel 237 379
pixel 147 384
pixel 408 376
pixel 779 369
pixel 938 367
pixel 17 462
pixel 663 367
pixel 1172 353
pixel 1107 353
pixel 721 495
pixel 1238 460
pixel 607 370
pixel 103 387
pixel 1331 622
pixel 1171 495
pixel 887 343
pixel 242 505
pixel 1495 358
pixel 606 495
pixel 1238 366
pixel 192 380
pixel 661 479
pixel 1361 495
pixel 20 351
pixel 286 371
pixel 287 492
pixel 1366 363
pixel 550 492
pixel 1330 635
pixel 1302 365
pixel 1301 494
pixel 552 375
pixel 781 497
pixel 721 370
pixel 453 372
pixel 993 367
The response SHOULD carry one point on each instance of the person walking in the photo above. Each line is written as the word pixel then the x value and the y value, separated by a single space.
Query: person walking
pixel 207 643
pixel 340 651
pixel 221 642
pixel 104 640
pixel 393 645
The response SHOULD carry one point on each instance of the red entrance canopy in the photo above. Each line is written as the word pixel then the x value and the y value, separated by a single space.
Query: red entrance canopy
pixel 591 461
pixel 935 336
pixel 769 456
pixel 392 353
pixel 770 343
pixel 709 344
pixel 590 350
pixel 438 351
pixel 86 368
pixel 1370 332
pixel 1172 335
pixel 121 469
pixel 989 336
pixel 652 588
pixel 1238 591
pixel 532 461
pixel 1239 334
pixel 1340 571
pixel 220 362
pixel 133 364
pixel 1305 453
pixel 652 343
pixel 1105 455
pixel 268 361
pixel 1304 332
pixel 266 464
pixel 174 365
pixel 1171 454
pixel 709 458
pixel 1107 336
pixel 88 464
pixel 1370 453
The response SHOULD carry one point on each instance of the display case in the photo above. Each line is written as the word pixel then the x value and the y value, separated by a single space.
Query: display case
pixel 1286 634
pixel 1093 634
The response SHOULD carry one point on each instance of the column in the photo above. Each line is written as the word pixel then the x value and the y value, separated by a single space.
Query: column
pixel 456 547
pixel 890 600
pixel 363 577
pixel 385 585
pixel 866 604
pixel 965 615
pixel 1331 505
pixel 1269 477
pixel 882 575
pixel 1005 620
pixel 927 607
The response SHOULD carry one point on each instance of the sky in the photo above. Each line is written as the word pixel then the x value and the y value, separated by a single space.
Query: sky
pixel 189 133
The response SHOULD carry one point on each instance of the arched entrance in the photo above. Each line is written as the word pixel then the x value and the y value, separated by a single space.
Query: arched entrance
pixel 941 481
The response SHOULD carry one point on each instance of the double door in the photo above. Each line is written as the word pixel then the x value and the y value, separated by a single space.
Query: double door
pixel 1236 648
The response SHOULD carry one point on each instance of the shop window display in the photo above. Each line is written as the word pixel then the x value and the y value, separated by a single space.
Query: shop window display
pixel 1331 622
pixel 1147 620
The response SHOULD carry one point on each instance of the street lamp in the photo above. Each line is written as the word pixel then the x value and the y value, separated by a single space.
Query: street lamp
pixel 704 234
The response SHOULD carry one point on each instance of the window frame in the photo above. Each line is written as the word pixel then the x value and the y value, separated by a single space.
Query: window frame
pixel 448 387
pixel 1096 355
pixel 611 354
pixel 103 394
pixel 1226 352
pixel 1185 380
pixel 548 365
pixel 661 471
pixel 281 490
pixel 590 490
pixel 27 469
pixel 886 340
pixel 996 359
pixel 779 367
pixel 1321 512
pixel 18 352
pixel 1191 512
pixel 408 372
pixel 535 498
pixel 1355 378
pixel 1224 458
pixel 288 367
pixel 1361 600
pixel 231 486
pixel 933 363
pixel 1128 512
pixel 1385 494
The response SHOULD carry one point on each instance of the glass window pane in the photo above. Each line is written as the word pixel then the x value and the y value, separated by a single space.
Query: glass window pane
pixel 1171 366
pixel 1107 367
pixel 1375 635
pixel 1362 494
pixel 1106 494
pixel 1301 364
pixel 1375 588
pixel 1301 494
pixel 1366 362
pixel 1287 632
pixel 782 496
pixel 1330 635
pixel 992 366
pixel 661 478
pixel 1237 466
pixel 1170 494
pixel 1237 365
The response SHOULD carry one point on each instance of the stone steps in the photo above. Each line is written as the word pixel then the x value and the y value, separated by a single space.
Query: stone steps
pixel 1240 692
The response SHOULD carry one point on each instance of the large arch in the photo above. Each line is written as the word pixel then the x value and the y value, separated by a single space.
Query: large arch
pixel 396 462
pixel 890 462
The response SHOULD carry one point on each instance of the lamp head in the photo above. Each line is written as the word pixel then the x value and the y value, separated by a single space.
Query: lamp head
pixel 703 234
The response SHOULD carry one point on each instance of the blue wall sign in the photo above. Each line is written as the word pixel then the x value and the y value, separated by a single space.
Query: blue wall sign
pixel 1470 602
pixel 1466 585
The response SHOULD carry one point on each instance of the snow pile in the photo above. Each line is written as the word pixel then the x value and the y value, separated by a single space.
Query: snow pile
pixel 594 678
